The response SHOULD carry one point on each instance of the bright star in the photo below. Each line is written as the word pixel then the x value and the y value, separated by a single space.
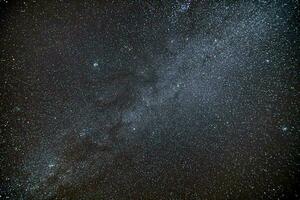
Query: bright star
pixel 96 64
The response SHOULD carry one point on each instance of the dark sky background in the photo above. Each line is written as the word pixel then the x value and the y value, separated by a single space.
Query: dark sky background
pixel 139 99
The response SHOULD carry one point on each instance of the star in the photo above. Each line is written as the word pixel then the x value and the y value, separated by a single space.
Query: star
pixel 96 64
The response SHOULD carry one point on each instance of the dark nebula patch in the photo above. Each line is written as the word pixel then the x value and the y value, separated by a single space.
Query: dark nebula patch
pixel 142 99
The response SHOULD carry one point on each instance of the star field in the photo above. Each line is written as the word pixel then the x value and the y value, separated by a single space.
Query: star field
pixel 141 99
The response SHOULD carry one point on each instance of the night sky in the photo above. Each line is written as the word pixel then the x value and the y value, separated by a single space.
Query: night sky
pixel 142 99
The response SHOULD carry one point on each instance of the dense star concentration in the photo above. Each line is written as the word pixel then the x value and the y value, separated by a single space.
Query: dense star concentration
pixel 141 99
